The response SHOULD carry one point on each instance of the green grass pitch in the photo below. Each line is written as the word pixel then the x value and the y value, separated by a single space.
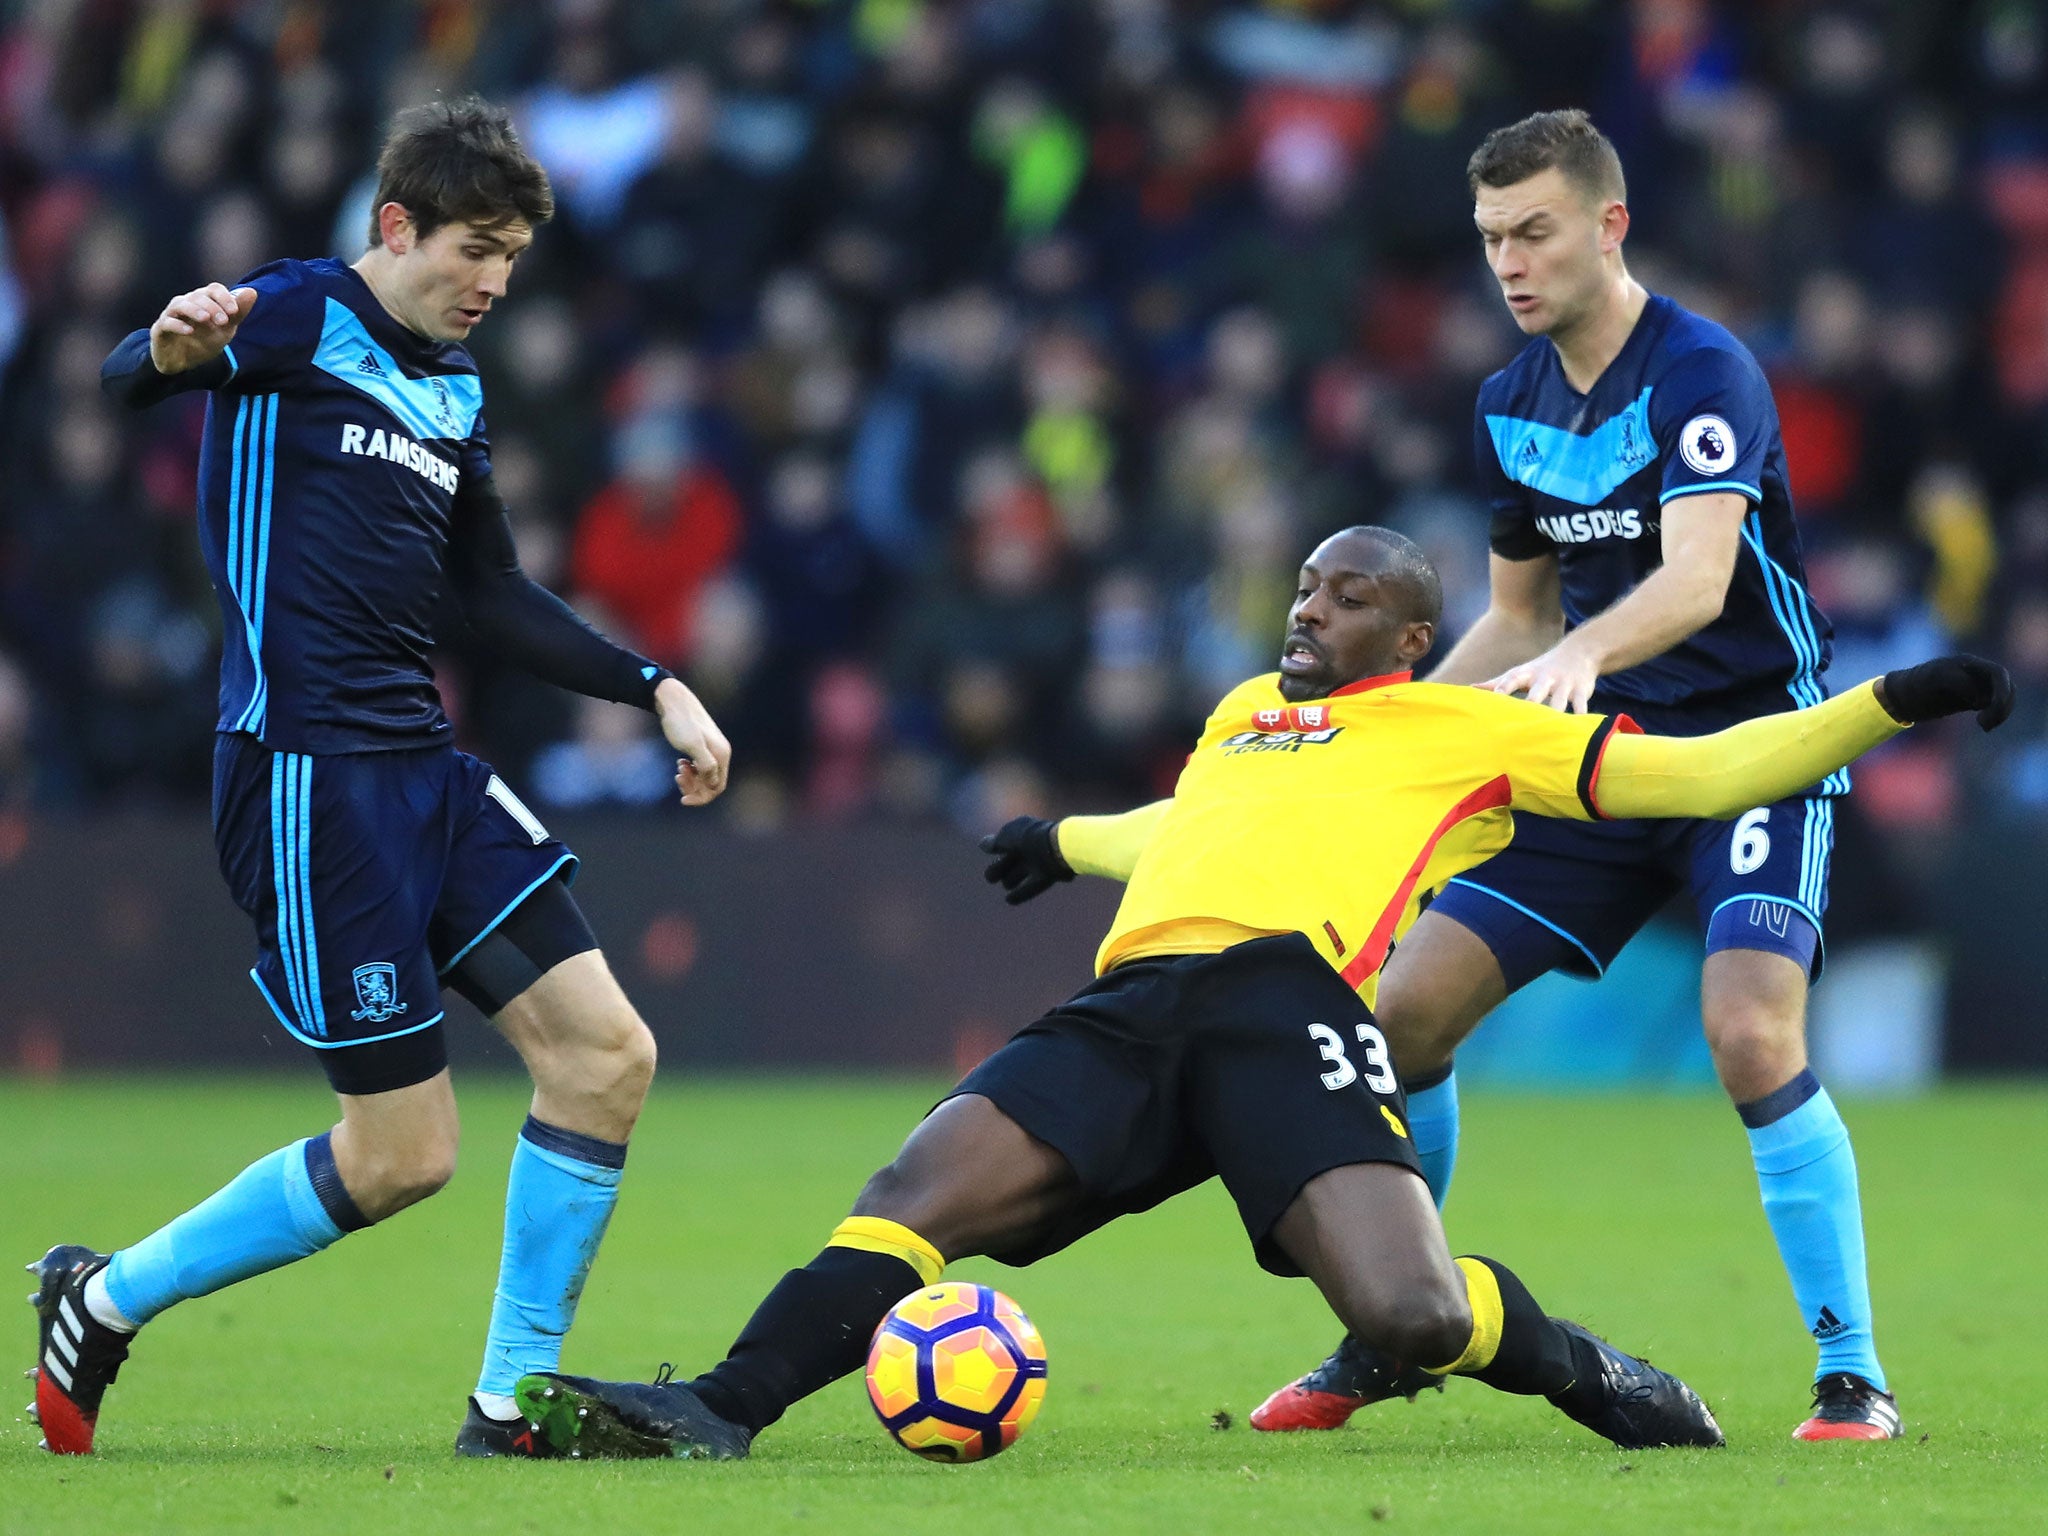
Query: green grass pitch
pixel 324 1398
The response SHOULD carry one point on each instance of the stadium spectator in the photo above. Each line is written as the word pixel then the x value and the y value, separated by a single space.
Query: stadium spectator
pixel 664 526
pixel 1168 289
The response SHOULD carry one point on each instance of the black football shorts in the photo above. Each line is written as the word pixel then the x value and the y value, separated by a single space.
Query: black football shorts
pixel 1257 1065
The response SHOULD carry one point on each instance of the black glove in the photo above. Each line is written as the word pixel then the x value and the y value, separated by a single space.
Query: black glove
pixel 1024 859
pixel 1948 685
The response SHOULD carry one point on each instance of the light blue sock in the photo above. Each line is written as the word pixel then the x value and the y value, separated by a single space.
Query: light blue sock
pixel 1806 1171
pixel 557 1204
pixel 283 1208
pixel 1433 1123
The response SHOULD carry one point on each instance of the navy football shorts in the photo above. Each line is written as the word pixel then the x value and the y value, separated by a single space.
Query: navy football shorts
pixel 369 877
pixel 1567 895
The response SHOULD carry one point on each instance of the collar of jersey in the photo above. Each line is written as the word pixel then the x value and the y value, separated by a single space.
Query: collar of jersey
pixel 440 406
pixel 1642 330
pixel 1384 680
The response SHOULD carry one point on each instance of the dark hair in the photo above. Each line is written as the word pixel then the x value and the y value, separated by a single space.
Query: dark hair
pixel 450 161
pixel 1567 140
pixel 1411 567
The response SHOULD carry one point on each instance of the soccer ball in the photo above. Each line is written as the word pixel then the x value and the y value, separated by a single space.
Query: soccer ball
pixel 956 1372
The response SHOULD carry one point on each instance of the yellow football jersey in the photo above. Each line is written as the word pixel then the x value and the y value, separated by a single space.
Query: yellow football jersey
pixel 1334 818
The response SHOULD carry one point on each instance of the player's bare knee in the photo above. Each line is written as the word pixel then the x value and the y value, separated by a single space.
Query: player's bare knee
pixel 893 1193
pixel 1745 1029
pixel 427 1174
pixel 1422 1024
pixel 390 1183
pixel 1433 1325
pixel 1756 1045
pixel 607 1063
pixel 627 1064
pixel 1419 1040
pixel 901 1193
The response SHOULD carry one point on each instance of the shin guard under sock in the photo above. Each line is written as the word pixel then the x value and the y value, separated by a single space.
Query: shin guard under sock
pixel 559 1199
pixel 280 1209
pixel 1515 1347
pixel 1806 1173
pixel 814 1327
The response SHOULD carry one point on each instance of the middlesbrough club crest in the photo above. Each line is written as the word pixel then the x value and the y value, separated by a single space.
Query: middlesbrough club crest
pixel 377 991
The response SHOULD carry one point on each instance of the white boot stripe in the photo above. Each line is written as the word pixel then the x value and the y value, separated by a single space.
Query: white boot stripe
pixel 56 1368
pixel 70 1317
pixel 64 1347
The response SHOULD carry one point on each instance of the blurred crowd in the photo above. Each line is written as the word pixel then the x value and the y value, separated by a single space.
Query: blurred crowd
pixel 948 388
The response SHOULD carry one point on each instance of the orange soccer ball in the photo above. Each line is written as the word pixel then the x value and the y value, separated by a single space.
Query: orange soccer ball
pixel 956 1372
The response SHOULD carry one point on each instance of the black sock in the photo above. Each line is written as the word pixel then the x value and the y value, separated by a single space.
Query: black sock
pixel 1535 1358
pixel 812 1329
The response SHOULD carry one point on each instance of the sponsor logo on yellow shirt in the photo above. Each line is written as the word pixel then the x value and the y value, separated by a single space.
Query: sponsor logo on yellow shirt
pixel 1284 730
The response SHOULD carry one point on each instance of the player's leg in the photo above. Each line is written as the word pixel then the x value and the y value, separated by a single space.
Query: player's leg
pixel 1552 901
pixel 592 1059
pixel 1369 1237
pixel 1761 885
pixel 1441 983
pixel 390 1149
pixel 1296 1101
pixel 1563 896
pixel 304 844
pixel 969 1180
pixel 1070 1124
pixel 515 944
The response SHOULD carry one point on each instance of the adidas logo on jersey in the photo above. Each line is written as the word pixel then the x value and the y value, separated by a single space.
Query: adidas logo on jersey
pixel 1585 527
pixel 369 364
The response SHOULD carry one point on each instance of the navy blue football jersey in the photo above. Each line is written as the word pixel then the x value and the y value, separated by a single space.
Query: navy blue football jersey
pixel 332 454
pixel 1682 410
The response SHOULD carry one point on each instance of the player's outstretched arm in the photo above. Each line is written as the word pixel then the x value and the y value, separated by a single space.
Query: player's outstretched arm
pixel 1029 855
pixel 527 625
pixel 186 347
pixel 1769 758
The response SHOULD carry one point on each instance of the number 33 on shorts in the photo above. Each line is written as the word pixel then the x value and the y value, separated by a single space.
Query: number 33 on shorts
pixel 1379 1068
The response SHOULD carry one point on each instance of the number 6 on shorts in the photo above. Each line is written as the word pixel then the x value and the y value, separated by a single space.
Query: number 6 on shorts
pixel 1751 844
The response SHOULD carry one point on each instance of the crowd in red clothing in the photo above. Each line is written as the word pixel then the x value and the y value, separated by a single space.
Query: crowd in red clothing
pixel 948 387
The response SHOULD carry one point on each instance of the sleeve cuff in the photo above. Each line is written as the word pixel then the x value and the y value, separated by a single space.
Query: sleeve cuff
pixel 1596 753
pixel 1708 488
pixel 1516 538
pixel 651 677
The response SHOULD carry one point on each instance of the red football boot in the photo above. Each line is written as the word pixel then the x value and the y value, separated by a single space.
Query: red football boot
pixel 77 1356
pixel 1352 1377
pixel 1847 1407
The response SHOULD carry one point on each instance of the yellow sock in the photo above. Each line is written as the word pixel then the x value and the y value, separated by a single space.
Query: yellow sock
pixel 871 1234
pixel 1488 1317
